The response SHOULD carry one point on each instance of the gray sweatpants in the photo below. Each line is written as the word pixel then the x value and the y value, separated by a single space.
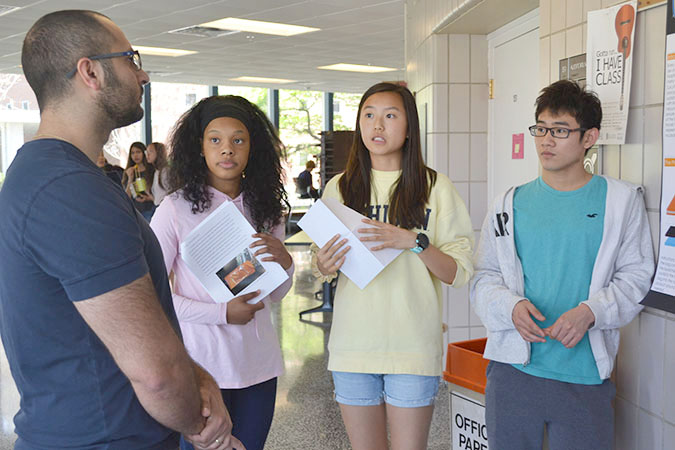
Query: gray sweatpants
pixel 518 406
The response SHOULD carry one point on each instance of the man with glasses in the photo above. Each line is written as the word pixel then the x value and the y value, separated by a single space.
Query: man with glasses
pixel 86 312
pixel 562 264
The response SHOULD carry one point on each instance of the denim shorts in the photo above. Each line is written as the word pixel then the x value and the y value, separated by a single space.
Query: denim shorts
pixel 369 389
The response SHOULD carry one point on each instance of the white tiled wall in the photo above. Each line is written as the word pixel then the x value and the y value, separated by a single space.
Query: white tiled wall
pixel 649 367
pixel 449 73
pixel 645 375
pixel 625 424
pixel 454 85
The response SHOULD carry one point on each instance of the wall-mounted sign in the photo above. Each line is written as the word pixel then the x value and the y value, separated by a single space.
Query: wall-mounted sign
pixel 564 69
pixel 468 423
pixel 573 68
pixel 609 64
pixel 518 146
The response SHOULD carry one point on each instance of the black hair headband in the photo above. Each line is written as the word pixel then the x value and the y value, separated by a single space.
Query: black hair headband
pixel 225 110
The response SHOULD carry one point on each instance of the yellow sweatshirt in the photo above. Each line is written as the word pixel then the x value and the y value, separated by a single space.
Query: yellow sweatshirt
pixel 394 324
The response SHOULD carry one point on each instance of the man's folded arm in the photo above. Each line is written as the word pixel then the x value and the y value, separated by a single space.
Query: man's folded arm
pixel 132 325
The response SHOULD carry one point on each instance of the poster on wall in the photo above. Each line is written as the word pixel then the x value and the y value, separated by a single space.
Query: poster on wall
pixel 608 66
pixel 662 293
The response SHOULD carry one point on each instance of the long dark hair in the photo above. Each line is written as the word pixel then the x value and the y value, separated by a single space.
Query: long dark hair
pixel 263 187
pixel 130 162
pixel 149 169
pixel 160 161
pixel 410 194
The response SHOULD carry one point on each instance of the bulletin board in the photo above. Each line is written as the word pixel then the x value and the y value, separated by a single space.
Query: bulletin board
pixel 662 293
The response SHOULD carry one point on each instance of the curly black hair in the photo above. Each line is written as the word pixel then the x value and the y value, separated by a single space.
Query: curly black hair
pixel 263 187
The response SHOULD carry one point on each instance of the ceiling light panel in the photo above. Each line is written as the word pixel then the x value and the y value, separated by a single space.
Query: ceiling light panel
pixel 262 80
pixel 257 26
pixel 203 31
pixel 160 51
pixel 5 9
pixel 357 68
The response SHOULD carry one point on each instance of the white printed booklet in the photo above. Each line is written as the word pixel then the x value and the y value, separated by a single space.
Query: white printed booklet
pixel 218 254
pixel 328 217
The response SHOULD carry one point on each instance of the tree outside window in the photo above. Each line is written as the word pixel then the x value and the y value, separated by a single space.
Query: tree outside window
pixel 345 108
pixel 300 125
pixel 256 95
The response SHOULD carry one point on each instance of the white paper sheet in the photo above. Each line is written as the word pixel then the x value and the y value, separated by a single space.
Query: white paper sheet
pixel 328 217
pixel 217 253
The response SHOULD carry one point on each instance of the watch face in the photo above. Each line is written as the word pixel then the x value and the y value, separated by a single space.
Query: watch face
pixel 422 240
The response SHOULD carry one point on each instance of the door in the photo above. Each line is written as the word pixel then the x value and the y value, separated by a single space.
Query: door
pixel 514 67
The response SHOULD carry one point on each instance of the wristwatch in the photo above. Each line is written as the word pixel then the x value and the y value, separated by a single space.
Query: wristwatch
pixel 422 242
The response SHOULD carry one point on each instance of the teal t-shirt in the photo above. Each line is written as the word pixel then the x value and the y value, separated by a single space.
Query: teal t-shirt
pixel 557 236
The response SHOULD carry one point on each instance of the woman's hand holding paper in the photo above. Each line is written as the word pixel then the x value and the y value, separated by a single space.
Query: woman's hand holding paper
pixel 331 256
pixel 240 312
pixel 389 235
pixel 274 247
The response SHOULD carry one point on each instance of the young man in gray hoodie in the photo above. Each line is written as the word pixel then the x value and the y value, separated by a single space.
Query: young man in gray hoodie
pixel 562 264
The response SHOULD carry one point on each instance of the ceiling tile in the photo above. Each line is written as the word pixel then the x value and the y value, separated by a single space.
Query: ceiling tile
pixel 357 31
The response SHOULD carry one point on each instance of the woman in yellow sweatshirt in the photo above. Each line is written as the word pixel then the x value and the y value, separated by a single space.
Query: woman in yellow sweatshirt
pixel 386 340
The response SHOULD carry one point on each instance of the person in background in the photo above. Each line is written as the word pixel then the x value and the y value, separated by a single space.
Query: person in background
pixel 562 264
pixel 86 315
pixel 138 177
pixel 156 157
pixel 113 172
pixel 304 182
pixel 386 340
pixel 224 149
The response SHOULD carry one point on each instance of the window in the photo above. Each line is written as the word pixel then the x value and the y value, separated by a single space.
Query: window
pixel 345 108
pixel 169 102
pixel 256 95
pixel 117 147
pixel 300 126
pixel 2 162
pixel 15 129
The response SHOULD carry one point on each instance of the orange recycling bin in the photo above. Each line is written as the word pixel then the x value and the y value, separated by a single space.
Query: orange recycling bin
pixel 465 374
pixel 465 365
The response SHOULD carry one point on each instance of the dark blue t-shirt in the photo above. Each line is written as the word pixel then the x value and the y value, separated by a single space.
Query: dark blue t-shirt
pixel 304 181
pixel 69 233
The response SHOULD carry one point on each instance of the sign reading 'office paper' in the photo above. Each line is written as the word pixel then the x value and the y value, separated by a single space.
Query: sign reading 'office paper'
pixel 468 424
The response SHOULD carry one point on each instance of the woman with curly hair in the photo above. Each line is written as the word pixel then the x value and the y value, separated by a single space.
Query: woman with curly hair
pixel 224 149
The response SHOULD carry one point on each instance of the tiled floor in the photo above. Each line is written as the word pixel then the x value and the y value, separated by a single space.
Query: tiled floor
pixel 306 415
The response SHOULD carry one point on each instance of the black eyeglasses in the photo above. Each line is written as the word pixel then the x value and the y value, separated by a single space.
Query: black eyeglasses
pixel 133 56
pixel 556 132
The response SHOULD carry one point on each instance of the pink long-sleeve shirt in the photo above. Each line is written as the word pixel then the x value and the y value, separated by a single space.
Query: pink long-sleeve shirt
pixel 237 356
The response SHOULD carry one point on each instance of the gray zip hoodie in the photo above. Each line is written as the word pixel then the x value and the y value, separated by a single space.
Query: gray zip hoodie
pixel 621 276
